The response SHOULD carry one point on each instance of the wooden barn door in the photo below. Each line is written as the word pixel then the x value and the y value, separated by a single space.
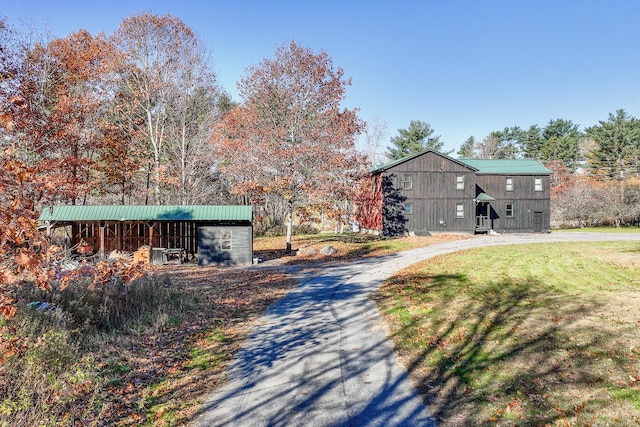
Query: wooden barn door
pixel 537 222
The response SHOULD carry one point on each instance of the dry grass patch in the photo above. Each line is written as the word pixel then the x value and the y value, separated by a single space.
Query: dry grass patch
pixel 349 246
pixel 144 373
pixel 542 334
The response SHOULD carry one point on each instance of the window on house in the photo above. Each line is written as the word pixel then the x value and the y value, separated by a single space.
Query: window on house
pixel 225 240
pixel 407 184
pixel 538 184
pixel 509 210
pixel 460 182
pixel 459 210
pixel 408 208
pixel 509 183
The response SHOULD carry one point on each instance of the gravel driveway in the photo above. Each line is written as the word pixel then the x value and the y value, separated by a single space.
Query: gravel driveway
pixel 319 357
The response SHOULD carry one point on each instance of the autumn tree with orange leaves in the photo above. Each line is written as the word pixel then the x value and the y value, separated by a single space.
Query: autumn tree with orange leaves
pixel 83 117
pixel 290 138
pixel 22 248
pixel 58 94
pixel 50 136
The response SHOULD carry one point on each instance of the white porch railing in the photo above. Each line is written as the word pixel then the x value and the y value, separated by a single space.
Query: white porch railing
pixel 483 222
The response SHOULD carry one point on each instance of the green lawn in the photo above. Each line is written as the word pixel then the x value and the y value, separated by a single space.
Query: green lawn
pixel 541 334
pixel 600 230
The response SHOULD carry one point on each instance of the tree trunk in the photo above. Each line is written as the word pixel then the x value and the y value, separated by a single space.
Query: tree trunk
pixel 102 252
pixel 289 231
pixel 156 184
pixel 146 197
pixel 183 165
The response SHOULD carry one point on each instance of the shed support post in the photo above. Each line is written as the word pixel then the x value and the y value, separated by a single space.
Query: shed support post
pixel 102 251
pixel 151 225
pixel 119 231
pixel 75 231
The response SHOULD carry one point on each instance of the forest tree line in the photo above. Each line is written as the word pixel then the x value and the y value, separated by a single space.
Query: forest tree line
pixel 138 117
pixel 596 179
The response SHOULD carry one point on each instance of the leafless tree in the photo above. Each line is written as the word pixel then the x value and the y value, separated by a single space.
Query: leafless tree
pixel 163 65
pixel 374 133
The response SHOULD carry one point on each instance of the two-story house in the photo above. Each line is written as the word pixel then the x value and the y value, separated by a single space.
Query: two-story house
pixel 430 192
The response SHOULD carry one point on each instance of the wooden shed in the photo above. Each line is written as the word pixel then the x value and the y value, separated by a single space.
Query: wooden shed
pixel 219 235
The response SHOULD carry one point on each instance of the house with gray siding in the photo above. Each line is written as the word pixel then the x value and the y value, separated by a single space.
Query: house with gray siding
pixel 430 192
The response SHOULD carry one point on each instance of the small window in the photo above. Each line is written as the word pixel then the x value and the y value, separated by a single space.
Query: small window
pixel 225 241
pixel 460 182
pixel 509 210
pixel 407 184
pixel 509 184
pixel 459 210
pixel 408 208
pixel 538 184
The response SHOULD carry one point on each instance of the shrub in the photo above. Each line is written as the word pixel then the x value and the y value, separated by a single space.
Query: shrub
pixel 47 377
pixel 33 385
pixel 110 307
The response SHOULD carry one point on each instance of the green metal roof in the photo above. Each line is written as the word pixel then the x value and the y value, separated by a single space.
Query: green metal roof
pixel 482 166
pixel 484 197
pixel 507 166
pixel 146 213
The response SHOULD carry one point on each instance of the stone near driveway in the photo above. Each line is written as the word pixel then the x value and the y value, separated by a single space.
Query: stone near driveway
pixel 305 252
pixel 328 251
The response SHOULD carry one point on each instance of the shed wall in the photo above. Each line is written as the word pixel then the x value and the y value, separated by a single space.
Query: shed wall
pixel 225 245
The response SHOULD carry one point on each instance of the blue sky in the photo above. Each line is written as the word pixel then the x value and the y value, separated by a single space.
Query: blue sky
pixel 466 67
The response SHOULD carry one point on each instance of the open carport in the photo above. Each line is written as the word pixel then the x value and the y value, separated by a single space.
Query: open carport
pixel 220 235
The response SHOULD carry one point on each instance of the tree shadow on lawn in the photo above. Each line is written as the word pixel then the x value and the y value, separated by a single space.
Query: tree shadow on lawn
pixel 634 250
pixel 507 351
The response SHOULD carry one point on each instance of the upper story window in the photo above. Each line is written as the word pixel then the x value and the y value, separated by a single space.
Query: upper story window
pixel 537 184
pixel 460 182
pixel 509 183
pixel 509 210
pixel 459 210
pixel 407 183
pixel 408 208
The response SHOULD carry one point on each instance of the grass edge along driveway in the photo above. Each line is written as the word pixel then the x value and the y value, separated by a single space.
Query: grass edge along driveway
pixel 536 334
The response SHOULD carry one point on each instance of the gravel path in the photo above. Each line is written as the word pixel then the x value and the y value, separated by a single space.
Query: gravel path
pixel 320 358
